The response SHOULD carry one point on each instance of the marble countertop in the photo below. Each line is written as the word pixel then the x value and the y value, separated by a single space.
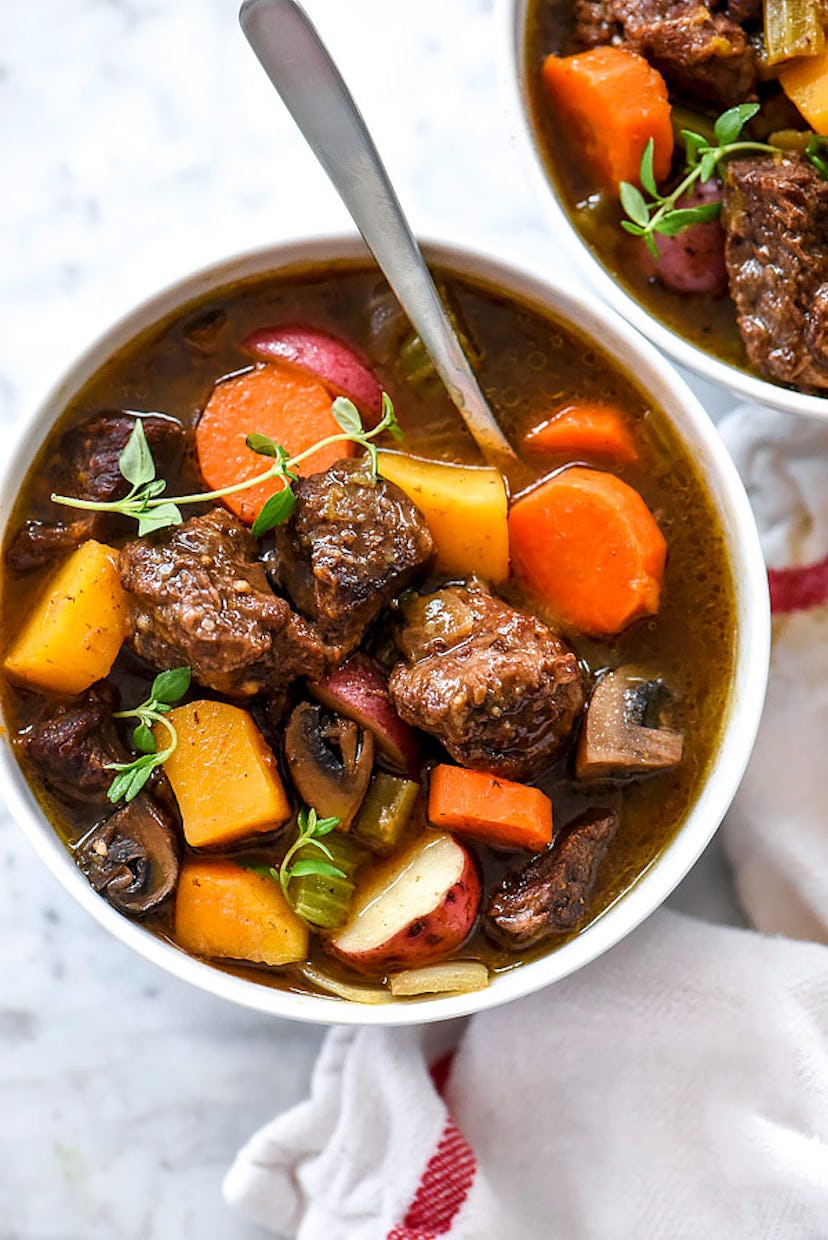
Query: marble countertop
pixel 139 140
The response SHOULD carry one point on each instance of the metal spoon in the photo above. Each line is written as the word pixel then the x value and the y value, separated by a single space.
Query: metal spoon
pixel 299 66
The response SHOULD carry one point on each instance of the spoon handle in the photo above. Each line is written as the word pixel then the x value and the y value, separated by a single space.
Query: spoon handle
pixel 299 66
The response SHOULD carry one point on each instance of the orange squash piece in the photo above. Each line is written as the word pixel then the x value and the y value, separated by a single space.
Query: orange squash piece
pixel 223 774
pixel 465 507
pixel 224 911
pixel 73 634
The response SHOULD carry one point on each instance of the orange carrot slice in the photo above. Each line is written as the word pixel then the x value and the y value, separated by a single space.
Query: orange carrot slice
pixel 587 544
pixel 590 429
pixel 290 407
pixel 613 102
pixel 490 809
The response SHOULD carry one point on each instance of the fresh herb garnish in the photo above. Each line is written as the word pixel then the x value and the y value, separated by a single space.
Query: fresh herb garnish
pixel 659 213
pixel 146 503
pixel 311 830
pixel 167 689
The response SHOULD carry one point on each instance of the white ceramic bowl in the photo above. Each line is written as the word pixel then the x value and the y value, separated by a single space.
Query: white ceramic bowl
pixel 745 694
pixel 511 37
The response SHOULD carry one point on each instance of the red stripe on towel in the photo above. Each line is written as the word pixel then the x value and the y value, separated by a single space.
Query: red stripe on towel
pixel 445 1183
pixel 797 589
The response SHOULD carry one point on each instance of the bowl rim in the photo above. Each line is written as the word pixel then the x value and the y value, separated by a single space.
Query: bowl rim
pixel 746 692
pixel 510 26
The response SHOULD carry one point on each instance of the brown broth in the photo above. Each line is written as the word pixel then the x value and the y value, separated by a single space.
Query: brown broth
pixel 529 365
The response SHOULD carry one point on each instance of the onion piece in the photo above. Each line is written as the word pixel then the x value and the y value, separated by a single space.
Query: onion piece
pixel 343 990
pixel 459 977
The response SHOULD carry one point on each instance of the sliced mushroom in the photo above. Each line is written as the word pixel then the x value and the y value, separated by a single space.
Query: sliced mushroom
pixel 618 739
pixel 132 858
pixel 330 760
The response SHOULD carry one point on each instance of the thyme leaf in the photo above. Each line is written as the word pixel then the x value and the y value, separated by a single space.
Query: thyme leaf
pixel 167 689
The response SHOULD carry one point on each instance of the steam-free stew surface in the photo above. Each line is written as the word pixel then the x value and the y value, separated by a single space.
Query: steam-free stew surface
pixel 529 364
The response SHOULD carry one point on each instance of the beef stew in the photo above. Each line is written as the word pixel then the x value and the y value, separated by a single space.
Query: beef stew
pixel 259 689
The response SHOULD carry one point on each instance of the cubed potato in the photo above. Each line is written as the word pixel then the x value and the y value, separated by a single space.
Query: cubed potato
pixel 465 507
pixel 223 774
pixel 73 634
pixel 224 911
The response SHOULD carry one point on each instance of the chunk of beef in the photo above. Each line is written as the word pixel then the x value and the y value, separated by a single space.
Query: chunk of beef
pixel 776 222
pixel 132 858
pixel 702 54
pixel 498 688
pixel 199 597
pixel 352 544
pixel 37 543
pixel 72 745
pixel 84 463
pixel 552 892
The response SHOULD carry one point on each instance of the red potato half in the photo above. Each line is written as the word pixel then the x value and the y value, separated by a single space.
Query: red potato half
pixel 694 260
pixel 359 691
pixel 416 908
pixel 328 358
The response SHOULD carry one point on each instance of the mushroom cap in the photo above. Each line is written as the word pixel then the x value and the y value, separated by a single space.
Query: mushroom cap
pixel 132 857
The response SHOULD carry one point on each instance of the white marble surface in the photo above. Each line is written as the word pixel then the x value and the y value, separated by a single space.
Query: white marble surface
pixel 139 139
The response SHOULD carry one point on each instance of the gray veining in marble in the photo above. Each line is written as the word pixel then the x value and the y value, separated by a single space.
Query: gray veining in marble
pixel 138 140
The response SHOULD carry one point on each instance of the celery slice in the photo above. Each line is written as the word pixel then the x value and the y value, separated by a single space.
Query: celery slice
pixel 323 900
pixel 385 812
pixel 793 28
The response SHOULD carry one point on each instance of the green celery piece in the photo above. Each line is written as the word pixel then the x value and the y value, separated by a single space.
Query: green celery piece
pixel 324 899
pixel 792 28
pixel 385 812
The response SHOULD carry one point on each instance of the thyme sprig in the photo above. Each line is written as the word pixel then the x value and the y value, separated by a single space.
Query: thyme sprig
pixel 167 689
pixel 703 158
pixel 311 830
pixel 146 502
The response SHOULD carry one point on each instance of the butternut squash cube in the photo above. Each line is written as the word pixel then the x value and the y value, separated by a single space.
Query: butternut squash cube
pixel 223 774
pixel 223 910
pixel 465 507
pixel 805 82
pixel 73 634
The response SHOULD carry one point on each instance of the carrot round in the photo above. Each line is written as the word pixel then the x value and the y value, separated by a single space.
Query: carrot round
pixel 592 429
pixel 490 809
pixel 292 408
pixel 613 102
pixel 587 544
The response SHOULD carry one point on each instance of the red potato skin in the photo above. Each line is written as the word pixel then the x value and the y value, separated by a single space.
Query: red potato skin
pixel 331 360
pixel 426 938
pixel 693 261
pixel 358 689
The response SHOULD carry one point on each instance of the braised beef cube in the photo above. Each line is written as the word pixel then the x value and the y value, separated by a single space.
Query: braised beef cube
pixel 703 55
pixel 551 894
pixel 497 687
pixel 72 745
pixel 37 543
pixel 132 857
pixel 84 463
pixel 199 598
pixel 775 216
pixel 353 543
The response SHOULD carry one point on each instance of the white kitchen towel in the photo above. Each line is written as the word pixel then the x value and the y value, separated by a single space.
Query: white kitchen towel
pixel 677 1087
